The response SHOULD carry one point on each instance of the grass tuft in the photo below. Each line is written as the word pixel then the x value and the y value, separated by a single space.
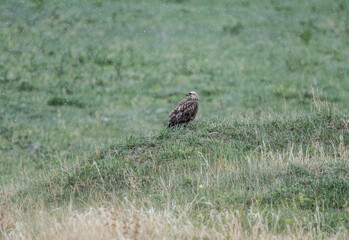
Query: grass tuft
pixel 60 101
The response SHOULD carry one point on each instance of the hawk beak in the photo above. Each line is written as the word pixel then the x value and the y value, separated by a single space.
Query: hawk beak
pixel 187 94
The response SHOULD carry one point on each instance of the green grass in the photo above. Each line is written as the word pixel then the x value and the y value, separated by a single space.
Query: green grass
pixel 295 168
pixel 86 87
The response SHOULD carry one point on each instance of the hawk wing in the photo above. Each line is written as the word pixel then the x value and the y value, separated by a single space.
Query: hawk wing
pixel 185 111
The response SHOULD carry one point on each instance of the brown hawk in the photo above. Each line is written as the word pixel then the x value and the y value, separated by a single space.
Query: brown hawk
pixel 185 111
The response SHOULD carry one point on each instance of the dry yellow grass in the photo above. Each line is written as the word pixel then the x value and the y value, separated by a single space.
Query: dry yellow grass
pixel 133 223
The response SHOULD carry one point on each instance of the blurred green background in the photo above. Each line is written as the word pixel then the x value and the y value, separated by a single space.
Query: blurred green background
pixel 76 74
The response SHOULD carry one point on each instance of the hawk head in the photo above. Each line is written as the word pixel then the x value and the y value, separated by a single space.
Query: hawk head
pixel 193 95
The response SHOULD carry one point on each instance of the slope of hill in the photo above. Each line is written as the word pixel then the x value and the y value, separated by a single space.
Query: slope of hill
pixel 280 175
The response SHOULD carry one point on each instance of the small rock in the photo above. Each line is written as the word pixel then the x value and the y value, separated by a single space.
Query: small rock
pixel 105 119
pixel 160 110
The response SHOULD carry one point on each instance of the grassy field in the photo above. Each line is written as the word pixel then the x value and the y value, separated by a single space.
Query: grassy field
pixel 85 91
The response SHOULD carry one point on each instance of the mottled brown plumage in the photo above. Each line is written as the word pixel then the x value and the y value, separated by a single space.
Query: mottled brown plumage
pixel 185 111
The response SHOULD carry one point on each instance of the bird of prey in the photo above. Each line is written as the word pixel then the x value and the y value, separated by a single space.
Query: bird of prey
pixel 185 111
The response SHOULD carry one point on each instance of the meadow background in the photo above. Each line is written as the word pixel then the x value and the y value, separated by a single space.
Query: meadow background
pixel 85 91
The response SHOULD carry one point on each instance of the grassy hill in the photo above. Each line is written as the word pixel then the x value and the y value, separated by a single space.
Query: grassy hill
pixel 272 176
pixel 85 90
